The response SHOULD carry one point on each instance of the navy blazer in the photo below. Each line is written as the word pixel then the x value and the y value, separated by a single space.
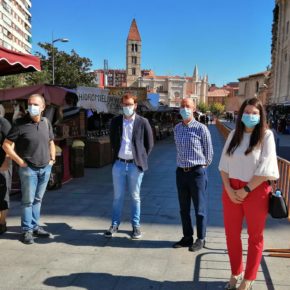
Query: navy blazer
pixel 142 140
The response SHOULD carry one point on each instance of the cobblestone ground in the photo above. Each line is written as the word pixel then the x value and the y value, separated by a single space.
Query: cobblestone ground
pixel 80 257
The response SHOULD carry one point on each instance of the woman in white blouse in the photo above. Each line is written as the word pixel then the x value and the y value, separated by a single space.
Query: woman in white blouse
pixel 248 161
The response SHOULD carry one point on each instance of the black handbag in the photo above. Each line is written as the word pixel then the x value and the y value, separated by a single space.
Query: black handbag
pixel 277 205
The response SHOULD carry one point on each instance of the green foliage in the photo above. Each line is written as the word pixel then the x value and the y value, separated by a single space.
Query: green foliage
pixel 217 108
pixel 202 107
pixel 12 81
pixel 70 70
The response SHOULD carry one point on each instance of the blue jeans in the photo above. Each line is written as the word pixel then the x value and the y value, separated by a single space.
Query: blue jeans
pixel 33 186
pixel 126 176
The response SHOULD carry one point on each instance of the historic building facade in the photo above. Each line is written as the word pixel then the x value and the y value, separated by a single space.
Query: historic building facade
pixel 255 85
pixel 15 25
pixel 171 89
pixel 280 77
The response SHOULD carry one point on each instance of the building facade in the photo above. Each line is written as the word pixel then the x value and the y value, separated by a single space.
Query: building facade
pixel 280 79
pixel 255 85
pixel 218 96
pixel 15 25
pixel 172 89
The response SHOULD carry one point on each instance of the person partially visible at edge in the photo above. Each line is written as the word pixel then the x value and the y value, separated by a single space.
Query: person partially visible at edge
pixel 5 176
pixel 247 162
pixel 34 152
pixel 132 141
pixel 194 154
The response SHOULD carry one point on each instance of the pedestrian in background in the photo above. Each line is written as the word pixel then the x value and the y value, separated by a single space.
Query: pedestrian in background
pixel 194 154
pixel 248 160
pixel 5 175
pixel 132 141
pixel 34 152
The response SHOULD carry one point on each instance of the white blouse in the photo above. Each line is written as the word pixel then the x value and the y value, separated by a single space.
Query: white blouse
pixel 262 161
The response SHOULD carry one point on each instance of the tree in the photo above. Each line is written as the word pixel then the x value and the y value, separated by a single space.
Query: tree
pixel 70 69
pixel 202 107
pixel 12 81
pixel 217 108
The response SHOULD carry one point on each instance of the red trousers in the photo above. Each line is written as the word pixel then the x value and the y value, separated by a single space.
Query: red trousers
pixel 254 209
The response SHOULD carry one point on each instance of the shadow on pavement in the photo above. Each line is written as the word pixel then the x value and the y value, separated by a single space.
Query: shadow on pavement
pixel 104 281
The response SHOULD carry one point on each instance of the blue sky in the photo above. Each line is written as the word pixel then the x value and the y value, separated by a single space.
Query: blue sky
pixel 227 39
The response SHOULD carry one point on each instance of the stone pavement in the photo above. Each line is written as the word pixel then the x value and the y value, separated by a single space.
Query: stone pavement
pixel 80 257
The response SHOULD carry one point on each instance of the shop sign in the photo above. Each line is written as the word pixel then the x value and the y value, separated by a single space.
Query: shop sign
pixel 97 99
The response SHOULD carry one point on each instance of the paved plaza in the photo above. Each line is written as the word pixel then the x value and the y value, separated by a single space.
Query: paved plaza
pixel 80 257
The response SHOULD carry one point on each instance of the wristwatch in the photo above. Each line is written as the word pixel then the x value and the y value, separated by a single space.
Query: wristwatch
pixel 247 188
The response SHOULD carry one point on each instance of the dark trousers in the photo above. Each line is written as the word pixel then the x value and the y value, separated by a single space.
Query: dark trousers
pixel 192 186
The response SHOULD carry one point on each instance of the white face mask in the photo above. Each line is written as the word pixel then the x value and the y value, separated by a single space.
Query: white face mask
pixel 128 110
pixel 34 110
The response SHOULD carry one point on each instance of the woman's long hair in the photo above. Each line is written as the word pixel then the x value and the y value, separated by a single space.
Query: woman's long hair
pixel 258 132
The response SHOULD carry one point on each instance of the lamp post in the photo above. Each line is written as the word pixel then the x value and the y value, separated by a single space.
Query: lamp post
pixel 52 44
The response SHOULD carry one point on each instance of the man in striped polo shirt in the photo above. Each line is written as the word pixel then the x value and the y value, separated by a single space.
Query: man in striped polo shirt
pixel 194 154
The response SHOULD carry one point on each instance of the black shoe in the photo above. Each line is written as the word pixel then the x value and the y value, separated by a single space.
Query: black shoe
pixel 3 228
pixel 111 231
pixel 41 233
pixel 136 233
pixel 198 245
pixel 27 238
pixel 184 242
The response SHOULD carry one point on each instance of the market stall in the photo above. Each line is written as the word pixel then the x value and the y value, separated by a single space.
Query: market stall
pixel 12 62
pixel 14 102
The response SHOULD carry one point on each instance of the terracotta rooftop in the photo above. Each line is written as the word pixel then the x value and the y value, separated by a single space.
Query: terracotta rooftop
pixel 218 93
pixel 134 32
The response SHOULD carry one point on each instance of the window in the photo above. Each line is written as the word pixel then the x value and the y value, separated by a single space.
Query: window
pixel 257 87
pixel 136 47
pixel 132 47
pixel 6 7
pixel 134 59
pixel 285 57
pixel 133 71
pixel 7 20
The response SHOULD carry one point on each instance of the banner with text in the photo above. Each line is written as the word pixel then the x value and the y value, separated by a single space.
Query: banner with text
pixel 97 99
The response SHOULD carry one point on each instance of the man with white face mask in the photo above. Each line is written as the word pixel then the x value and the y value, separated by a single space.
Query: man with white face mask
pixel 132 141
pixel 194 154
pixel 34 152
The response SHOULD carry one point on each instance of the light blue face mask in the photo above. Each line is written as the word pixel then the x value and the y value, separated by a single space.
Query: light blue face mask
pixel 33 110
pixel 128 110
pixel 185 113
pixel 250 120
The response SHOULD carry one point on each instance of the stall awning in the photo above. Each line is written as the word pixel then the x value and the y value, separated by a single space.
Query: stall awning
pixel 53 95
pixel 12 62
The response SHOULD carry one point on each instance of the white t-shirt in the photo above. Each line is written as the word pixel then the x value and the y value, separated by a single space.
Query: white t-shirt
pixel 262 161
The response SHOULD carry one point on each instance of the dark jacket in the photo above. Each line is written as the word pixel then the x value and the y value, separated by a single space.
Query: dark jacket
pixel 142 140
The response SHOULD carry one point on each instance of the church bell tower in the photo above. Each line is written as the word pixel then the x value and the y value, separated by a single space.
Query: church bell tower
pixel 133 55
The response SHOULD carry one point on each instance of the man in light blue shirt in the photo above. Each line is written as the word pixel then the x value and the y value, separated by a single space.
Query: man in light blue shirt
pixel 132 141
pixel 194 154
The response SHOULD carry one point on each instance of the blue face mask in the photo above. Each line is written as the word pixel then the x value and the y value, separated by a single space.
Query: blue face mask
pixel 185 113
pixel 128 110
pixel 250 120
pixel 33 110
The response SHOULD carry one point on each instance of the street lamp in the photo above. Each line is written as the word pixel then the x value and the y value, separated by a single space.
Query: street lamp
pixel 52 44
